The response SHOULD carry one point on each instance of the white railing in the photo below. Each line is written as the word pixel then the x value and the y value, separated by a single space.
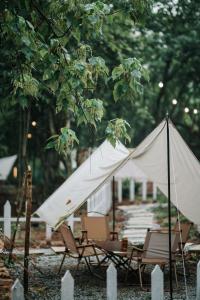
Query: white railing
pixel 7 220
pixel 100 202
pixel 67 285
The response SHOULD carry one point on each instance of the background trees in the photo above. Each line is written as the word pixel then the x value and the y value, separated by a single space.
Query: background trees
pixel 83 66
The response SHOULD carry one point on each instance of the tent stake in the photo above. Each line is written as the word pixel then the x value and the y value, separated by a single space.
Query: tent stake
pixel 113 203
pixel 169 208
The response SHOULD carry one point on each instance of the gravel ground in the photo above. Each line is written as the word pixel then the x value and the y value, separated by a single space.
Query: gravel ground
pixel 46 285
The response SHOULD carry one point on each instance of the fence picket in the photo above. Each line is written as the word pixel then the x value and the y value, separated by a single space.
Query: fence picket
pixel 111 282
pixel 17 291
pixel 67 286
pixel 157 284
pixel 7 219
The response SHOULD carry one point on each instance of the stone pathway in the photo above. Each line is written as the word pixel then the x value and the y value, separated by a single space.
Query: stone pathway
pixel 139 219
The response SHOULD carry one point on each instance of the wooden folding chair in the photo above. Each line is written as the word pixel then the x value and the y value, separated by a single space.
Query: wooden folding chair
pixel 76 250
pixel 155 252
pixel 183 229
pixel 96 228
pixel 183 235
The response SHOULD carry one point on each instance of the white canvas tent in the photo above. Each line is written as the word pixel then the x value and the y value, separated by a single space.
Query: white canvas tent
pixel 6 164
pixel 150 156
pixel 131 170
pixel 83 183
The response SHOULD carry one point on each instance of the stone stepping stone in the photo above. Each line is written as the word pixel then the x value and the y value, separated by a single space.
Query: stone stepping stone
pixel 140 218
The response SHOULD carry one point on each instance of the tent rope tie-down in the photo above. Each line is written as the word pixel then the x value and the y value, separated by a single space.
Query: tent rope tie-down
pixel 179 227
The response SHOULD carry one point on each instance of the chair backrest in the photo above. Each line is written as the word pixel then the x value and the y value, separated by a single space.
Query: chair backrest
pixel 68 238
pixel 185 230
pixel 97 227
pixel 157 244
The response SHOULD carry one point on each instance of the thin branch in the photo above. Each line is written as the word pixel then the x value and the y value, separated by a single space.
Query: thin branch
pixel 49 22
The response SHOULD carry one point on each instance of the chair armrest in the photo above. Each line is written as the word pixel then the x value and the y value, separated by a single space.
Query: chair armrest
pixel 137 249
pixel 136 252
pixel 86 245
pixel 84 236
pixel 114 235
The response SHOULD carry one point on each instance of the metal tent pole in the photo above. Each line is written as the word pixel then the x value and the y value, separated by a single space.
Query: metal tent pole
pixel 169 208
pixel 113 202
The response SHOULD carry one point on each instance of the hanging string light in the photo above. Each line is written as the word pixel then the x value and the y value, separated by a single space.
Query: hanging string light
pixel 186 110
pixel 15 172
pixel 174 101
pixel 161 84
pixel 195 111
pixel 29 136
pixel 34 123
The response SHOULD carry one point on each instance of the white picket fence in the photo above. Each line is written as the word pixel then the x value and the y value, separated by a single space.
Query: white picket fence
pixel 7 220
pixel 67 285
pixel 100 202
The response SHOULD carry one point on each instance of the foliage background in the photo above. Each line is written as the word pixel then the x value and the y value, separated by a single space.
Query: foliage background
pixel 86 67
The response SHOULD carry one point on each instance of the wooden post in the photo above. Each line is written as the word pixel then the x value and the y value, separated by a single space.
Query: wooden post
pixel 27 228
pixel 119 190
pixel 198 281
pixel 154 191
pixel 132 189
pixel 20 201
pixel 144 190
pixel 111 282
pixel 7 219
pixel 113 204
pixel 71 222
pixel 67 287
pixel 17 291
pixel 157 285
pixel 48 233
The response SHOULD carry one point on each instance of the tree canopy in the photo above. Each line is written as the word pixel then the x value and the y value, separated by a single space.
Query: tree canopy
pixel 84 71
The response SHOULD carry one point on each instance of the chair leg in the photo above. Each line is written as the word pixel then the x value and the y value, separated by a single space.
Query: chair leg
pixel 77 266
pixel 162 267
pixel 88 265
pixel 128 267
pixel 95 252
pixel 103 260
pixel 89 268
pixel 175 273
pixel 140 275
pixel 62 262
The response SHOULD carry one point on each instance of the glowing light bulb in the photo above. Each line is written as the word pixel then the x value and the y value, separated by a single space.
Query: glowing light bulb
pixel 15 172
pixel 174 101
pixel 186 110
pixel 195 111
pixel 160 84
pixel 29 136
pixel 34 123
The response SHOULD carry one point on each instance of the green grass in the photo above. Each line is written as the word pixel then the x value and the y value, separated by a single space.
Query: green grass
pixel 161 215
